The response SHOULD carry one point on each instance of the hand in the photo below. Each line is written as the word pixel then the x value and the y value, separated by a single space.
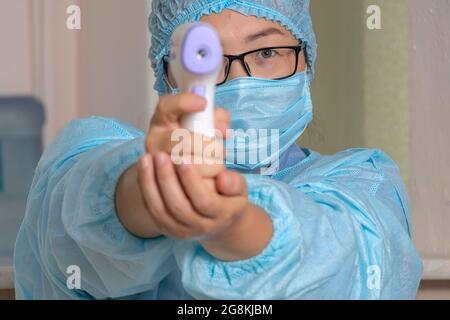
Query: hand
pixel 182 206
pixel 129 199
pixel 171 108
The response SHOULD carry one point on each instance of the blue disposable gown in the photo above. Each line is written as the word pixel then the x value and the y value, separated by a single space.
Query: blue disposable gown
pixel 341 229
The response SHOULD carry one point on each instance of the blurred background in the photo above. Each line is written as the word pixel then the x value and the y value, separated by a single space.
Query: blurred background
pixel 387 89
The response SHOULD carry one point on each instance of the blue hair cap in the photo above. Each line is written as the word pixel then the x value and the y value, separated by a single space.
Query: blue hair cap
pixel 167 15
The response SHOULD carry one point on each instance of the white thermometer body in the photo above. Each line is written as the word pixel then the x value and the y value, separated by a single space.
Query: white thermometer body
pixel 196 58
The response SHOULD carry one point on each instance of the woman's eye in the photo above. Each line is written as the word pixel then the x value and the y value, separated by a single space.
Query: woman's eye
pixel 268 53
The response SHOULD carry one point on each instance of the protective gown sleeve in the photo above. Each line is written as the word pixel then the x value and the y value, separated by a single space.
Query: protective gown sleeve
pixel 341 232
pixel 73 202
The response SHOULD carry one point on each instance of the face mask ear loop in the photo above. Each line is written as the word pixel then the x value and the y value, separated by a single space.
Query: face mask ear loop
pixel 166 80
pixel 172 90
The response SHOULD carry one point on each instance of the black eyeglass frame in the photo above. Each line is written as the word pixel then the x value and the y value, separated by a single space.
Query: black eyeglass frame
pixel 241 57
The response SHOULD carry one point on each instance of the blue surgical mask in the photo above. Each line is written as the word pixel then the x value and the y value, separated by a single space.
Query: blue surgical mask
pixel 277 110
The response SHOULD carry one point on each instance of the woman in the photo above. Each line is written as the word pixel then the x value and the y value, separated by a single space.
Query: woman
pixel 108 200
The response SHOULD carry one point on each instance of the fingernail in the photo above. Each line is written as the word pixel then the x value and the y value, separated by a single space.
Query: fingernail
pixel 161 159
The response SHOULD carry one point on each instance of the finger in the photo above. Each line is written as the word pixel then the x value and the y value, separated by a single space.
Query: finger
pixel 201 195
pixel 231 183
pixel 209 171
pixel 159 138
pixel 222 121
pixel 222 210
pixel 195 148
pixel 222 115
pixel 153 200
pixel 149 190
pixel 173 195
pixel 171 107
pixel 208 168
pixel 210 184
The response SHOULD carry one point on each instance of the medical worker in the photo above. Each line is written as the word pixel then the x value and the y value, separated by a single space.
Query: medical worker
pixel 110 215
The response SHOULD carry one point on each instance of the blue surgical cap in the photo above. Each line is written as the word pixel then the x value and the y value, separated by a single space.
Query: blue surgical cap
pixel 167 15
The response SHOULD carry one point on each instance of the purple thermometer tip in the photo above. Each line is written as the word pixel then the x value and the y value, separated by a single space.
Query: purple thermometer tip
pixel 201 52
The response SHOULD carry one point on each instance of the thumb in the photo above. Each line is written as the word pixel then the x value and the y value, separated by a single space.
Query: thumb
pixel 231 183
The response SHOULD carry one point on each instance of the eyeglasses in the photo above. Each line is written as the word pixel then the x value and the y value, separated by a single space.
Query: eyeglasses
pixel 275 63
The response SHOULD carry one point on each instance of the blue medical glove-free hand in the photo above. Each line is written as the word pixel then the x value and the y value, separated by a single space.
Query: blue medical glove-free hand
pixel 341 230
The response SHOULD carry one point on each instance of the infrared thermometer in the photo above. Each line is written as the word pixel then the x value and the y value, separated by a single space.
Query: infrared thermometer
pixel 195 60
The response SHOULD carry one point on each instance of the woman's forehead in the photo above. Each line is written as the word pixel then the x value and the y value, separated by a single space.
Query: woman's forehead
pixel 234 26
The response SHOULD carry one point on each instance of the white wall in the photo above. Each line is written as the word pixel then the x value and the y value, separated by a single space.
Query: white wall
pixel 16 48
pixel 57 64
pixel 430 132
pixel 360 92
pixel 116 76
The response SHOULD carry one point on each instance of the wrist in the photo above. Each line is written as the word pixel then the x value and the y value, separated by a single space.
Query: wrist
pixel 130 208
pixel 246 238
pixel 236 228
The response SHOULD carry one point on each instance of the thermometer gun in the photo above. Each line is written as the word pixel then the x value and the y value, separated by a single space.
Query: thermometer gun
pixel 196 58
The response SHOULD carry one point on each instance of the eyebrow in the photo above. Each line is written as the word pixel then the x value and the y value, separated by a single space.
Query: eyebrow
pixel 263 33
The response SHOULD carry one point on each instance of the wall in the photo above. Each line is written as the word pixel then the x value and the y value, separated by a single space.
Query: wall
pixel 386 87
pixel 116 74
pixel 15 78
pixel 389 89
pixel 430 132
pixel 56 62
pixel 101 69
pixel 338 85
pixel 361 88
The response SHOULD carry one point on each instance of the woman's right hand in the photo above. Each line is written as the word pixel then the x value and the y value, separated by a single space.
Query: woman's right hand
pixel 167 118
pixel 133 211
